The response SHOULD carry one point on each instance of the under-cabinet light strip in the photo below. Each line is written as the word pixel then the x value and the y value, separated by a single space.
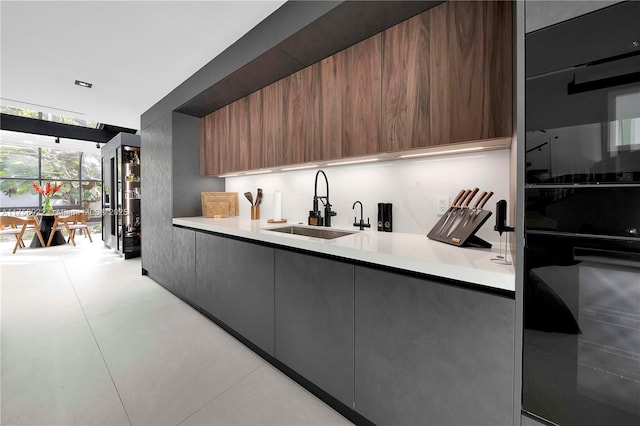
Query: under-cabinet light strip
pixel 450 151
pixel 342 163
pixel 367 160
pixel 308 166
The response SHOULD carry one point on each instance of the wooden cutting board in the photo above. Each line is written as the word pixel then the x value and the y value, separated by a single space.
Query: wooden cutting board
pixel 219 204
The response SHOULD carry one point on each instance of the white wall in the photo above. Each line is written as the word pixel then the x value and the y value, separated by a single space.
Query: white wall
pixel 411 185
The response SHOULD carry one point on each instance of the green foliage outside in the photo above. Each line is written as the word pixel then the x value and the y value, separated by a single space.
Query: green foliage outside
pixel 20 164
pixel 21 112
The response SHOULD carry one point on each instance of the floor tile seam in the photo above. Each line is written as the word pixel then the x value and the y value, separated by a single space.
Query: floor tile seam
pixel 58 261
pixel 95 339
pixel 8 334
pixel 240 380
pixel 135 305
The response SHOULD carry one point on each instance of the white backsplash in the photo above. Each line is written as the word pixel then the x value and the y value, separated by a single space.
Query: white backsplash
pixel 412 186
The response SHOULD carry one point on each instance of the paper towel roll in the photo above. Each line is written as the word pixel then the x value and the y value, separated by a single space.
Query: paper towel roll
pixel 277 205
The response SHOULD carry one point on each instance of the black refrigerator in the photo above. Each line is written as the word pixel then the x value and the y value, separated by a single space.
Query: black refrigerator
pixel 581 337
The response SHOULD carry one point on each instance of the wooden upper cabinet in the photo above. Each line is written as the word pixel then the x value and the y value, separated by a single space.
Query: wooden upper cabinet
pixel 361 101
pixel 207 158
pixel 329 74
pixel 239 135
pixel 406 85
pixel 441 77
pixel 457 72
pixel 470 71
pixel 301 111
pixel 221 139
pixel 498 70
pixel 214 142
pixel 274 124
pixel 245 133
pixel 255 130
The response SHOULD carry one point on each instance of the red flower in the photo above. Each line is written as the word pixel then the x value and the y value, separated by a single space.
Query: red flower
pixel 48 190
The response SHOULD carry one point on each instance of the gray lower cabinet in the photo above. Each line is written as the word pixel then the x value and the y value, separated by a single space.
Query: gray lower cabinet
pixel 183 264
pixel 314 320
pixel 247 299
pixel 431 353
pixel 235 285
pixel 211 269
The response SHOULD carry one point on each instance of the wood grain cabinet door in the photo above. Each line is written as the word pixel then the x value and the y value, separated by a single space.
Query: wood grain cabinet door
pixel 205 147
pixel 300 107
pixel 239 135
pixel 470 71
pixel 256 160
pixel 245 133
pixel 214 142
pixel 498 70
pixel 329 78
pixel 274 124
pixel 406 85
pixel 362 98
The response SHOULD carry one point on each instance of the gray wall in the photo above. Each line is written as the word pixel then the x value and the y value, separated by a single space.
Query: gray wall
pixel 170 185
pixel 542 13
pixel 187 182
pixel 156 204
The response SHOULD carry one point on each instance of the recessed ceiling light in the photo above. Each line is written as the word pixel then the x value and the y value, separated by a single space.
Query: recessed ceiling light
pixel 83 84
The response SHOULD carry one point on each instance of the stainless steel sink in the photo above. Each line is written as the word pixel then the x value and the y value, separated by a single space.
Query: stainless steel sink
pixel 326 233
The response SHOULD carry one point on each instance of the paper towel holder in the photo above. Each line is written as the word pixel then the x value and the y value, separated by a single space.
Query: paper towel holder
pixel 277 208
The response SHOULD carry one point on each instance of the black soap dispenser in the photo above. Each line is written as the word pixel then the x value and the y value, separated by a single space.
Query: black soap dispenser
pixel 385 217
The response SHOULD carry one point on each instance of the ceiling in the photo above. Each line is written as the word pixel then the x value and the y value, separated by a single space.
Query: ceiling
pixel 133 52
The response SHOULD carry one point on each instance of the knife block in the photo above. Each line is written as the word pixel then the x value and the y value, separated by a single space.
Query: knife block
pixel 464 232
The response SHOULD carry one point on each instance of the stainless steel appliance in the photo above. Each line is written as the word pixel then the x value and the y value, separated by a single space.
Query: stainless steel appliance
pixel 581 339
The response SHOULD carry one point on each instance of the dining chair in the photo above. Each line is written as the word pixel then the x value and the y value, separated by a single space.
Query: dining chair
pixel 13 225
pixel 82 225
pixel 69 223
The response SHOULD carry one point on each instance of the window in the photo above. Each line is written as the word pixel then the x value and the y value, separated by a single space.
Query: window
pixel 25 159
pixel 29 113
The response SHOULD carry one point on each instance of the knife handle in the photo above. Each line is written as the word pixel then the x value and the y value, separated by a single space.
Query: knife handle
pixel 474 191
pixel 486 198
pixel 461 199
pixel 479 199
pixel 457 199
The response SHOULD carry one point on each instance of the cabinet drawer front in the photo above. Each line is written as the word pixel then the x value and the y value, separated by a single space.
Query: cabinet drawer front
pixel 314 320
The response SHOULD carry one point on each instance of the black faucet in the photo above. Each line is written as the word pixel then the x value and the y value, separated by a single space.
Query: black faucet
pixel 361 224
pixel 315 216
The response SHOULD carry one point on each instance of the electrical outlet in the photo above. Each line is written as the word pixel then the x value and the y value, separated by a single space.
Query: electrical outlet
pixel 442 204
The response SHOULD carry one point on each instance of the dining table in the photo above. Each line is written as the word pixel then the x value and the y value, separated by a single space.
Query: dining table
pixel 45 223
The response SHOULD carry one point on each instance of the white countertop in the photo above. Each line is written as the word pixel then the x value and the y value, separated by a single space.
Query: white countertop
pixel 410 252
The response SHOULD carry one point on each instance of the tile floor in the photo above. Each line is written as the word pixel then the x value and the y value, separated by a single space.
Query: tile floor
pixel 87 340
